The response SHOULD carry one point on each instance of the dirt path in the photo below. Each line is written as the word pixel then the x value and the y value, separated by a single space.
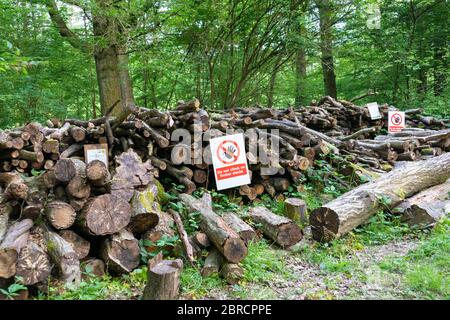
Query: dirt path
pixel 305 280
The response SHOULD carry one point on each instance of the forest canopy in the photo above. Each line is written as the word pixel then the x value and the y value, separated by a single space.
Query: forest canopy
pixel 76 58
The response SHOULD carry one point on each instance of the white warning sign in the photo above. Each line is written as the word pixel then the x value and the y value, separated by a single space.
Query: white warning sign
pixel 396 121
pixel 230 161
pixel 374 111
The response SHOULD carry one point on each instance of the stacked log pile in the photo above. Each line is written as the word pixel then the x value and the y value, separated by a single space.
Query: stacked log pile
pixel 305 134
pixel 59 214
pixel 76 217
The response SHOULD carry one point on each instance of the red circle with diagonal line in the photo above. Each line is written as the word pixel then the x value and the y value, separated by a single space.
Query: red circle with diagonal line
pixel 396 119
pixel 228 152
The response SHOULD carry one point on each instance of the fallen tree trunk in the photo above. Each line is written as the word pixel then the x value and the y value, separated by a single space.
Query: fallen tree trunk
pixel 427 207
pixel 225 239
pixel 345 213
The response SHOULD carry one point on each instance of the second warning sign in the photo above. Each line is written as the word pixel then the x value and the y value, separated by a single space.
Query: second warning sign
pixel 229 161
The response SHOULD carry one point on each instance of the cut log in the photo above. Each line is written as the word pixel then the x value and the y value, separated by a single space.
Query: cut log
pixel 224 238
pixel 145 210
pixel 92 267
pixel 105 214
pixel 78 187
pixel 60 214
pixel 213 261
pixel 15 187
pixel 231 272
pixel 348 211
pixel 246 232
pixel 282 230
pixel 64 257
pixel 67 169
pixel 5 211
pixel 295 209
pixel 97 173
pixel 130 173
pixel 163 280
pixel 121 252
pixel 201 240
pixel 79 245
pixel 427 207
pixel 33 264
pixel 15 239
pixel 164 228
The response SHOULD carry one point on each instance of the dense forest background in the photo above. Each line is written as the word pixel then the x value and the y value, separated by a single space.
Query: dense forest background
pixel 74 58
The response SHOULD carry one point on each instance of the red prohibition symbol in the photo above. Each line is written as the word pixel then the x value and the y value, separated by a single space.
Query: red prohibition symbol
pixel 396 119
pixel 228 152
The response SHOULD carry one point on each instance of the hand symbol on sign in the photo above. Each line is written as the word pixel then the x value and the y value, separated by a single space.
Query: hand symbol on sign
pixel 230 152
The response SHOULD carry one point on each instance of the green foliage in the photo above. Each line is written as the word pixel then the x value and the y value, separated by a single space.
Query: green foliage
pixel 195 286
pixel 382 228
pixel 262 263
pixel 161 245
pixel 128 286
pixel 13 289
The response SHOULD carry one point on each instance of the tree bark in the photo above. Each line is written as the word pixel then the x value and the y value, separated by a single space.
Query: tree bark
pixel 163 280
pixel 326 46
pixel 246 232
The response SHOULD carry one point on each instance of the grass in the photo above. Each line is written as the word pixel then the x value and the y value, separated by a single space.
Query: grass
pixel 425 271
pixel 127 286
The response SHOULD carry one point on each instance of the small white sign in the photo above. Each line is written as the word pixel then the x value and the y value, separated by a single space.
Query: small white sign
pixel 396 121
pixel 229 161
pixel 96 152
pixel 374 111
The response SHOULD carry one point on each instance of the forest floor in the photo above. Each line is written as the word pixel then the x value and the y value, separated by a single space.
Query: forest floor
pixel 382 259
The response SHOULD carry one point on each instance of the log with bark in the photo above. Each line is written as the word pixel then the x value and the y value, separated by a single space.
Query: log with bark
pixel 224 238
pixel 282 230
pixel 348 211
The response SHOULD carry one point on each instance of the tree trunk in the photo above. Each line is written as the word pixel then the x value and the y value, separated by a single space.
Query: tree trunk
pixel 341 215
pixel 326 46
pixel 427 207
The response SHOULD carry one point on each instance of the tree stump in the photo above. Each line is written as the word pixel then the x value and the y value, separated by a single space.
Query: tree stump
pixel 295 209
pixel 163 280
